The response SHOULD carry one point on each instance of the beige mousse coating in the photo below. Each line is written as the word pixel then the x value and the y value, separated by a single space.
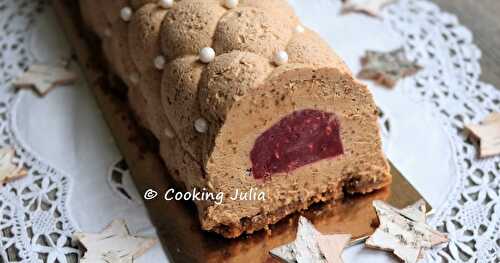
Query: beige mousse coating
pixel 185 170
pixel 144 36
pixel 179 95
pixel 138 104
pixel 150 87
pixel 180 164
pixel 253 30
pixel 228 78
pixel 309 48
pixel 189 26
pixel 120 53
pixel 280 9
pixel 112 8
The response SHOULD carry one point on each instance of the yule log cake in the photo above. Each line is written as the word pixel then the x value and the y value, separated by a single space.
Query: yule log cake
pixel 244 98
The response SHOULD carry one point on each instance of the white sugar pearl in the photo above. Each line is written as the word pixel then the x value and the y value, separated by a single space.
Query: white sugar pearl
pixel 166 3
pixel 299 29
pixel 159 62
pixel 126 13
pixel 207 54
pixel 231 3
pixel 201 125
pixel 280 58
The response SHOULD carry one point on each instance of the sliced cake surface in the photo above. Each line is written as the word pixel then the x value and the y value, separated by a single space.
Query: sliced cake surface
pixel 244 101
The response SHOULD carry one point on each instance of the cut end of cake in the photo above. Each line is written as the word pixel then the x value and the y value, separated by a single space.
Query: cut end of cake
pixel 303 136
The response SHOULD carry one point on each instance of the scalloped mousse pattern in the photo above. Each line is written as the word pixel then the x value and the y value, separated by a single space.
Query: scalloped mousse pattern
pixel 300 138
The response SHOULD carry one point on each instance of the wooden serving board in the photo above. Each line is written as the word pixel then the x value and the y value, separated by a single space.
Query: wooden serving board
pixel 176 221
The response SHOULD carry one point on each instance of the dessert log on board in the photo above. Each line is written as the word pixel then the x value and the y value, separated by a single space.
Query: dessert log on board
pixel 243 98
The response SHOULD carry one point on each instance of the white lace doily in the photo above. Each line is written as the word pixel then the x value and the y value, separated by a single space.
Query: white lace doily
pixel 422 124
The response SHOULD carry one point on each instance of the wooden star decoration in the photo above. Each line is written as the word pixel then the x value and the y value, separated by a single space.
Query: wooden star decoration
pixel 113 245
pixel 369 7
pixel 8 170
pixel 312 246
pixel 404 231
pixel 386 68
pixel 488 134
pixel 42 78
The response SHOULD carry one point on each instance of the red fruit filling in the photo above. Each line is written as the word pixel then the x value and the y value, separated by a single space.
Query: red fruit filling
pixel 300 138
